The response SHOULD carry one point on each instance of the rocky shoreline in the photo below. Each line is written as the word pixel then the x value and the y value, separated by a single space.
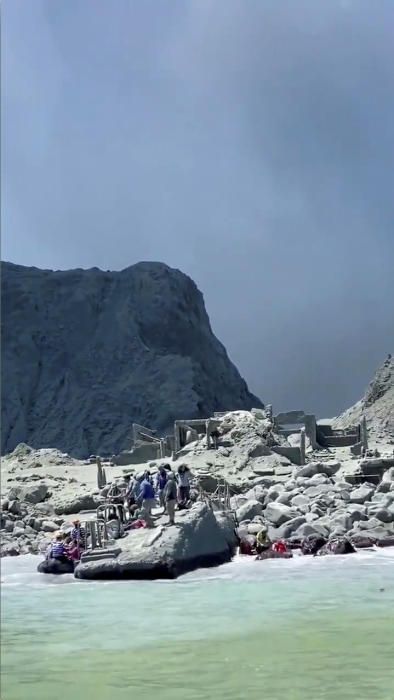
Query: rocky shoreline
pixel 334 496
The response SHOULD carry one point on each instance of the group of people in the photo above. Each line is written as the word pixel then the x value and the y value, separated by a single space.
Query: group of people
pixel 141 493
pixel 68 546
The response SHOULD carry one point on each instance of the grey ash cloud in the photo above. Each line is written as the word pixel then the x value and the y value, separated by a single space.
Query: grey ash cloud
pixel 249 144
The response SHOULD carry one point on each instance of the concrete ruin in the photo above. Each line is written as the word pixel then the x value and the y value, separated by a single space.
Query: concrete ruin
pixel 147 446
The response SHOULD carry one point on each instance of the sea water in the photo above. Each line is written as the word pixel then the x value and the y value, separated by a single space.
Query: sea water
pixel 303 629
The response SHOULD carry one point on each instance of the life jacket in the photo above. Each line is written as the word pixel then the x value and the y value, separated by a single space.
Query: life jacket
pixel 279 547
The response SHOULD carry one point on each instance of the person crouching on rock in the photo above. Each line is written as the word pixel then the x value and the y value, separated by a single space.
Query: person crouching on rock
pixel 170 493
pixel 147 494
pixel 183 485
pixel 262 541
pixel 280 547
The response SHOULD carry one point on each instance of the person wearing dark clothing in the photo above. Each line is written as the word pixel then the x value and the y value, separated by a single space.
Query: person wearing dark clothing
pixel 170 493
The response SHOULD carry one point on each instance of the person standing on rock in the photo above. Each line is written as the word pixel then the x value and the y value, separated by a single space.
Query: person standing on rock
pixel 183 485
pixel 170 494
pixel 147 494
pixel 161 482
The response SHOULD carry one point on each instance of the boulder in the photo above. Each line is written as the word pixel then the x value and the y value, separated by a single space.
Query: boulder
pixel 388 475
pixel 227 525
pixel 285 498
pixel 362 494
pixel 308 470
pixel 278 513
pixel 165 552
pixel 311 530
pixel 67 505
pixel 318 490
pixel 49 526
pixel 378 534
pixel 290 527
pixel 43 509
pixel 301 502
pixel 257 493
pixel 10 549
pixel 248 510
pixel 34 493
pixel 356 512
pixel 385 515
pixel 274 491
pixel 18 531
pixel 14 507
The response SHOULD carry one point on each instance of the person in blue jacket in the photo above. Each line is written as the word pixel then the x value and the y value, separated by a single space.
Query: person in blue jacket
pixel 147 494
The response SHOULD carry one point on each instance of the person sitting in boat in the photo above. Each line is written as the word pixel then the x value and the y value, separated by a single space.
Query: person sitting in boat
pixel 58 548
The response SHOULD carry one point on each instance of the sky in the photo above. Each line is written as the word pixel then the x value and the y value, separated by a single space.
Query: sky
pixel 248 143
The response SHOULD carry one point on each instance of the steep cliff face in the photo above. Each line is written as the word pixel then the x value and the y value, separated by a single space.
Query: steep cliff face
pixel 86 352
pixel 377 404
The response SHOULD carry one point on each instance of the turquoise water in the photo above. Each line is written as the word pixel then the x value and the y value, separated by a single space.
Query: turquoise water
pixel 305 629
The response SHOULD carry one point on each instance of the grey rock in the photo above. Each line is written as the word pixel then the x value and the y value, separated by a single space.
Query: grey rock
pixel 311 517
pixel 197 540
pixel 275 491
pixel 20 524
pixel 35 493
pixel 308 470
pixel 278 513
pixel 44 509
pixel 362 494
pixel 10 549
pixel 318 490
pixel 291 526
pixel 4 505
pixel 385 515
pixel 139 347
pixel 319 479
pixel 383 487
pixel 49 526
pixel 74 504
pixel 357 512
pixel 18 531
pixel 377 404
pixel 378 533
pixel 8 526
pixel 248 510
pixel 388 476
pixel 311 529
pixel 14 507
pixel 301 502
pixel 257 493
pixel 284 498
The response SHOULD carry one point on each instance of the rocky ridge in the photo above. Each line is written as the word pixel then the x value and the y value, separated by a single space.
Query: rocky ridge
pixel 87 352
pixel 377 404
